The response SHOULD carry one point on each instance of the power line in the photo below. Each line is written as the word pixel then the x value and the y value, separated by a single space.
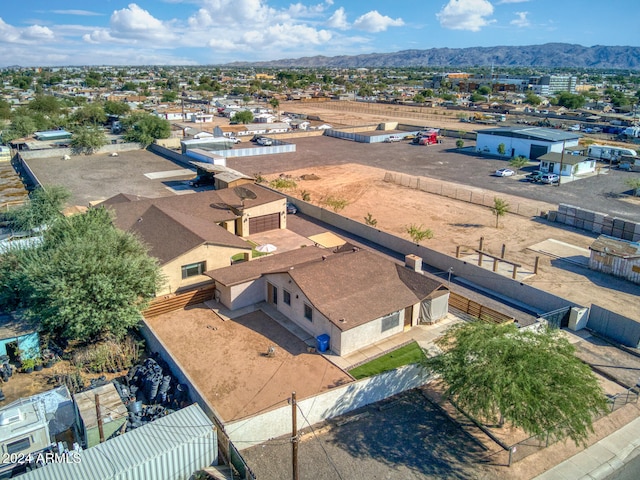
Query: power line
pixel 321 444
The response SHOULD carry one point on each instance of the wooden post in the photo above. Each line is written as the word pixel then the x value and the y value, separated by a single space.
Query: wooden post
pixel 495 264
pixel 515 272
pixel 99 417
pixel 504 249
pixel 536 265
pixel 481 243
pixel 479 259
pixel 458 251
pixel 294 436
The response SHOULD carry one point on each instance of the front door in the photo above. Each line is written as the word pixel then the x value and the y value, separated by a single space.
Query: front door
pixel 551 167
pixel 408 316
pixel 272 294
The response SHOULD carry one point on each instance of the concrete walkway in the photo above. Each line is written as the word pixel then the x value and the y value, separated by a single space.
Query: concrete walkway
pixel 601 459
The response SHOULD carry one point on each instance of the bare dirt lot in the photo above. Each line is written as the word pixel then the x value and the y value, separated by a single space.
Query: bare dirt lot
pixel 456 223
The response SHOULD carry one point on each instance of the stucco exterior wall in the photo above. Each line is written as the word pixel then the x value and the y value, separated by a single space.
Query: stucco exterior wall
pixel 244 294
pixel 516 146
pixel 369 333
pixel 278 206
pixel 215 256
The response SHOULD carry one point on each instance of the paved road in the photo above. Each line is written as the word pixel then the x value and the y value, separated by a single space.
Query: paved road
pixel 603 193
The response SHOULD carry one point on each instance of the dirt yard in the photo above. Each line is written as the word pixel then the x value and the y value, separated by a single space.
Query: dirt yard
pixel 456 223
pixel 227 360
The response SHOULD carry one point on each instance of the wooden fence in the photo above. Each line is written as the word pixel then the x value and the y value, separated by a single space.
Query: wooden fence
pixel 477 310
pixel 178 301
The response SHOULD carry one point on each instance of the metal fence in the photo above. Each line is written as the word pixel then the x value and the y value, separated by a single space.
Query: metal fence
pixel 531 445
pixel 461 193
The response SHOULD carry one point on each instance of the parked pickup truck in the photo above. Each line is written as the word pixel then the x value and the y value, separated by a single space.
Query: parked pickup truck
pixel 534 176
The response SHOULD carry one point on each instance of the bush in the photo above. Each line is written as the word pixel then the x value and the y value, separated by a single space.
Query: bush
pixel 459 143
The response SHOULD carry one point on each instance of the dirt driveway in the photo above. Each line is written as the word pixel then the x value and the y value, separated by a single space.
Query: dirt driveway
pixel 227 360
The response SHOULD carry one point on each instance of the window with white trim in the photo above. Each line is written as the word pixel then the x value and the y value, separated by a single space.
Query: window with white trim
pixel 193 269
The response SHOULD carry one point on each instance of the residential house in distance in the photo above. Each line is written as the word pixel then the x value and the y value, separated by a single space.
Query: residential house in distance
pixel 351 299
pixel 190 234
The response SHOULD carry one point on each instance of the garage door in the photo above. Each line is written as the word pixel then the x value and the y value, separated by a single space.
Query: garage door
pixel 264 223
pixel 537 151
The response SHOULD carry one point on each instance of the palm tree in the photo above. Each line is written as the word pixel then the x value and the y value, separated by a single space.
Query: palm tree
pixel 500 208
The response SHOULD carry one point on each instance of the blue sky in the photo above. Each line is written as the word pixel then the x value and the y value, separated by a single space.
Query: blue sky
pixel 191 32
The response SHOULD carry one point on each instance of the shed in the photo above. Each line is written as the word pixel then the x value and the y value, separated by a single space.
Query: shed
pixel 18 338
pixel 113 413
pixel 529 142
pixel 171 448
pixel 617 257
pixel 224 177
pixel 48 135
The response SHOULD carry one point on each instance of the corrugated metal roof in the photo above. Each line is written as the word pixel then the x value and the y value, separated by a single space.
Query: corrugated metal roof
pixel 531 133
pixel 171 447
pixel 616 247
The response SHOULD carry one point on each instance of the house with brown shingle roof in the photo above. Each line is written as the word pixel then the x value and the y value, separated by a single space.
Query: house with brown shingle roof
pixel 354 297
pixel 192 233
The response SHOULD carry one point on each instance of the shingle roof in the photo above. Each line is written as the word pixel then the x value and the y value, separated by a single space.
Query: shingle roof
pixel 556 157
pixel 531 133
pixel 360 286
pixel 174 225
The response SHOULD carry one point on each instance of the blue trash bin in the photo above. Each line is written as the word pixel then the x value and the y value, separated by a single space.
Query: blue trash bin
pixel 322 342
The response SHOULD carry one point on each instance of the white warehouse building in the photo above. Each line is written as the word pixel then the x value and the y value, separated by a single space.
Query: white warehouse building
pixel 529 142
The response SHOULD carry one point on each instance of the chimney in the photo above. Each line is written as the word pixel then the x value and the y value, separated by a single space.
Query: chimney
pixel 413 262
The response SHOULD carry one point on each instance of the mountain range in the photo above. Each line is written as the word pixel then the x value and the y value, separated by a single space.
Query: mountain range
pixel 549 55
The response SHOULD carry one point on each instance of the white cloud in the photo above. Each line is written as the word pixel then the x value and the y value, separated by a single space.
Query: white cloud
pixel 521 20
pixel 37 32
pixel 28 35
pixel 374 22
pixel 136 22
pixel 465 14
pixel 338 20
pixel 82 13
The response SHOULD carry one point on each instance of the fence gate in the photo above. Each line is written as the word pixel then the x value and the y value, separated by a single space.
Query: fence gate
pixel 558 318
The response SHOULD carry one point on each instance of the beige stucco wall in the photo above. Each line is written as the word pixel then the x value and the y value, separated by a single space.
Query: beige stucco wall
pixel 215 256
pixel 368 334
pixel 278 206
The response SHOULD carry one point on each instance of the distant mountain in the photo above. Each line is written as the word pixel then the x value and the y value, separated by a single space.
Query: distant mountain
pixel 547 55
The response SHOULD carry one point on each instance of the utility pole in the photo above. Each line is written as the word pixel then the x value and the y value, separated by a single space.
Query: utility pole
pixel 561 162
pixel 99 417
pixel 294 436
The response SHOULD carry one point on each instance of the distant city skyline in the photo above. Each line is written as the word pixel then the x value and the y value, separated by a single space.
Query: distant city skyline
pixel 201 32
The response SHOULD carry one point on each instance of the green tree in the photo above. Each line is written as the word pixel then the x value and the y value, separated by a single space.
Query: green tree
pixel 459 143
pixel 502 148
pixel 45 104
pixel 484 90
pixel 169 96
pixel 634 183
pixel 21 126
pixel 518 162
pixel 90 114
pixel 275 103
pixel 88 139
pixel 5 109
pixel 419 233
pixel 500 208
pixel 144 128
pixel 528 379
pixel 86 280
pixel 477 98
pixel 116 108
pixel 44 207
pixel 129 87
pixel 419 98
pixel 532 99
pixel 243 116
pixel 570 100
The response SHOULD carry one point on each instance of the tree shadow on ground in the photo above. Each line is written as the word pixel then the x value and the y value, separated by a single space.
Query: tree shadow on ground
pixel 409 431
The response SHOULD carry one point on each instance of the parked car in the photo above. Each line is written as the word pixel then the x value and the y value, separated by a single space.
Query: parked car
pixel 534 176
pixel 202 180
pixel 504 172
pixel 235 139
pixel 265 142
pixel 550 178
pixel 393 138
pixel 291 209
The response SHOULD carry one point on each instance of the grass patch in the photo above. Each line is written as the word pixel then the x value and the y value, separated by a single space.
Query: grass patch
pixel 406 355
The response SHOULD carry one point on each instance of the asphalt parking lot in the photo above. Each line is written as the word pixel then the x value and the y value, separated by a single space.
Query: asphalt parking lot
pixel 603 193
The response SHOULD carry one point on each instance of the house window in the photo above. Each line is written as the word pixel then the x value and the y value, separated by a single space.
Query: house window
pixel 193 269
pixel 308 312
pixel 18 445
pixel 286 297
pixel 390 321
